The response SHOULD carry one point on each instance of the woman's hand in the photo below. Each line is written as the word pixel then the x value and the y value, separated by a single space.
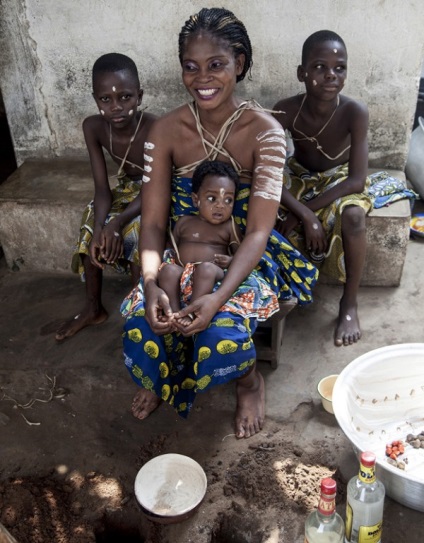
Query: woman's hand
pixel 111 247
pixel 158 310
pixel 201 312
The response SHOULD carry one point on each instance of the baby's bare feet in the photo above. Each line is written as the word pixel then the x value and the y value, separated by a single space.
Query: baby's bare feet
pixel 80 321
pixel 144 403
pixel 348 330
pixel 250 412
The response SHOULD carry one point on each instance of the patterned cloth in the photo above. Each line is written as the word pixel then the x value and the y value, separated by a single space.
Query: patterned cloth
pixel 305 186
pixel 385 189
pixel 123 194
pixel 177 368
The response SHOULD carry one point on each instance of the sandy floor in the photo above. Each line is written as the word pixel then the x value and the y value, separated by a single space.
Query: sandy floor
pixel 68 462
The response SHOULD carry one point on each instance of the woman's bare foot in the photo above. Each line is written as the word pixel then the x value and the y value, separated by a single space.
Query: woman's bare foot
pixel 348 330
pixel 144 403
pixel 80 321
pixel 250 412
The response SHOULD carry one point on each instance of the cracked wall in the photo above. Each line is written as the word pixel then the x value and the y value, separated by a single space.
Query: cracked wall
pixel 48 49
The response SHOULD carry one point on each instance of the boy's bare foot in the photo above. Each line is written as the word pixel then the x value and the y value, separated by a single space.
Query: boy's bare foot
pixel 348 330
pixel 144 403
pixel 80 321
pixel 250 412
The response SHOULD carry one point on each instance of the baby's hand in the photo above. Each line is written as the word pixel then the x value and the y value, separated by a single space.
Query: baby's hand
pixel 223 261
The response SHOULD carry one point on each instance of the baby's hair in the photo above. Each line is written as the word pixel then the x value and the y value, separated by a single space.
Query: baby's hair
pixel 319 37
pixel 115 62
pixel 212 167
pixel 223 24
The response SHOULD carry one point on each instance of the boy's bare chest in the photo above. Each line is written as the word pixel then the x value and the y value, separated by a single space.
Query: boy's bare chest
pixel 199 231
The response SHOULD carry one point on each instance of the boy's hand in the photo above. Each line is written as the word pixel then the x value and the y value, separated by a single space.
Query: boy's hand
pixel 94 251
pixel 287 225
pixel 315 239
pixel 223 261
pixel 111 246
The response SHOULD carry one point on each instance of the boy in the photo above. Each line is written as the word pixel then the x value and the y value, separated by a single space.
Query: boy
pixel 323 202
pixel 110 224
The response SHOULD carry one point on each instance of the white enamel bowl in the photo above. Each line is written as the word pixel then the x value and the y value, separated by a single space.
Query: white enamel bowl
pixel 169 487
pixel 378 398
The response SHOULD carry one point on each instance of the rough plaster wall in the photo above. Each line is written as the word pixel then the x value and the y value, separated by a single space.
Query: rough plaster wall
pixel 48 49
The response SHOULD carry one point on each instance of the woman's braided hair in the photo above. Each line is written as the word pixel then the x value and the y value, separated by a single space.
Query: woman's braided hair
pixel 222 24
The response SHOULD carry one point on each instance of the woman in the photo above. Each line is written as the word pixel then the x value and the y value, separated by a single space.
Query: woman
pixel 169 361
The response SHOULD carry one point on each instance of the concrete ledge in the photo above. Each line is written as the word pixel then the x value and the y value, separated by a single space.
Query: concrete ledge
pixel 40 212
pixel 42 202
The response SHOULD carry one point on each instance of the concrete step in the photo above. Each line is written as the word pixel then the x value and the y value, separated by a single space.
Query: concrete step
pixel 42 202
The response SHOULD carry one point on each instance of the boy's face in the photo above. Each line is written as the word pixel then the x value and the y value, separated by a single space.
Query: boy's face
pixel 215 199
pixel 325 71
pixel 117 96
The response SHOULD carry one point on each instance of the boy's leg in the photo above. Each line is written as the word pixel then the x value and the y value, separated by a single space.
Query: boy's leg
pixel 205 276
pixel 93 311
pixel 348 330
pixel 169 280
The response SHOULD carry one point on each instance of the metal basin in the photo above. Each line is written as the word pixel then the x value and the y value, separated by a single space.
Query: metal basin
pixel 379 398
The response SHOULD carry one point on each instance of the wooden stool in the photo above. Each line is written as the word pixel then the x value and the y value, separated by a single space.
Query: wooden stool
pixel 269 334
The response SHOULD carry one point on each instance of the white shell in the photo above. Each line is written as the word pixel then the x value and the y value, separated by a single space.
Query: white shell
pixel 170 485
pixel 378 398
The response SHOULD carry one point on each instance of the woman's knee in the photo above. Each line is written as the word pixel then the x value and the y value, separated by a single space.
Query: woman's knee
pixel 353 220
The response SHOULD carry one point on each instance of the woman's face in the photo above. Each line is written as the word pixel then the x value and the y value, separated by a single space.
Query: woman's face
pixel 210 70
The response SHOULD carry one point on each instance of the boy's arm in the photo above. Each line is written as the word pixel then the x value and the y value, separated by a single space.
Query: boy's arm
pixel 102 193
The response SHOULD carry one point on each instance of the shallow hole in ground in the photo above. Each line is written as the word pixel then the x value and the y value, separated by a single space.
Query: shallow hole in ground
pixel 117 530
pixel 237 529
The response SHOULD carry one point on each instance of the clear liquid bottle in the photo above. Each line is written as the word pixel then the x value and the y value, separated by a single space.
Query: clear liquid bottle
pixel 365 503
pixel 325 525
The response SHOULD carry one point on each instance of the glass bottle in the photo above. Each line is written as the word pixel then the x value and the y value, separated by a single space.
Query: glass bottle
pixel 365 502
pixel 325 525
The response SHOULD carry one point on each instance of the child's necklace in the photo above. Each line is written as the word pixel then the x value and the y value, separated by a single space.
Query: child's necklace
pixel 124 160
pixel 313 139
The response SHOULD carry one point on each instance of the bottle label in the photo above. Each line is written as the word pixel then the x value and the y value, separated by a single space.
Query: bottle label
pixel 370 534
pixel 348 523
pixel 326 506
pixel 367 474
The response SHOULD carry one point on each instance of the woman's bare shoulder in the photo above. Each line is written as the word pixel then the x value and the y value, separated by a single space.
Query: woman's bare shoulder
pixel 172 121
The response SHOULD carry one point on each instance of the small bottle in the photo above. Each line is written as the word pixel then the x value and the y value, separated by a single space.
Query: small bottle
pixel 325 525
pixel 365 502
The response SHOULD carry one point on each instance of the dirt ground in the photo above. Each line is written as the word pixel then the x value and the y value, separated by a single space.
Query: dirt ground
pixel 70 448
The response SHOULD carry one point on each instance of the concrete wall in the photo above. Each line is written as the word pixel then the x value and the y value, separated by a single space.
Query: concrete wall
pixel 48 48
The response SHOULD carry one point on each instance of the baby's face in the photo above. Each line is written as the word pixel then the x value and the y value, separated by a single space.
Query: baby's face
pixel 215 199
pixel 325 71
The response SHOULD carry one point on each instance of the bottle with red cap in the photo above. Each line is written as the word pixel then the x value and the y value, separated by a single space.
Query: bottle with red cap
pixel 365 503
pixel 325 525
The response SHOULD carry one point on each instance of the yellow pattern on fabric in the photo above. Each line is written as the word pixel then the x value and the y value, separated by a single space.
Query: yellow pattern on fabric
pixel 166 391
pixel 226 346
pixel 163 370
pixel 137 371
pixel 151 348
pixel 304 186
pixel 203 382
pixel 123 194
pixel 135 335
pixel 204 353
